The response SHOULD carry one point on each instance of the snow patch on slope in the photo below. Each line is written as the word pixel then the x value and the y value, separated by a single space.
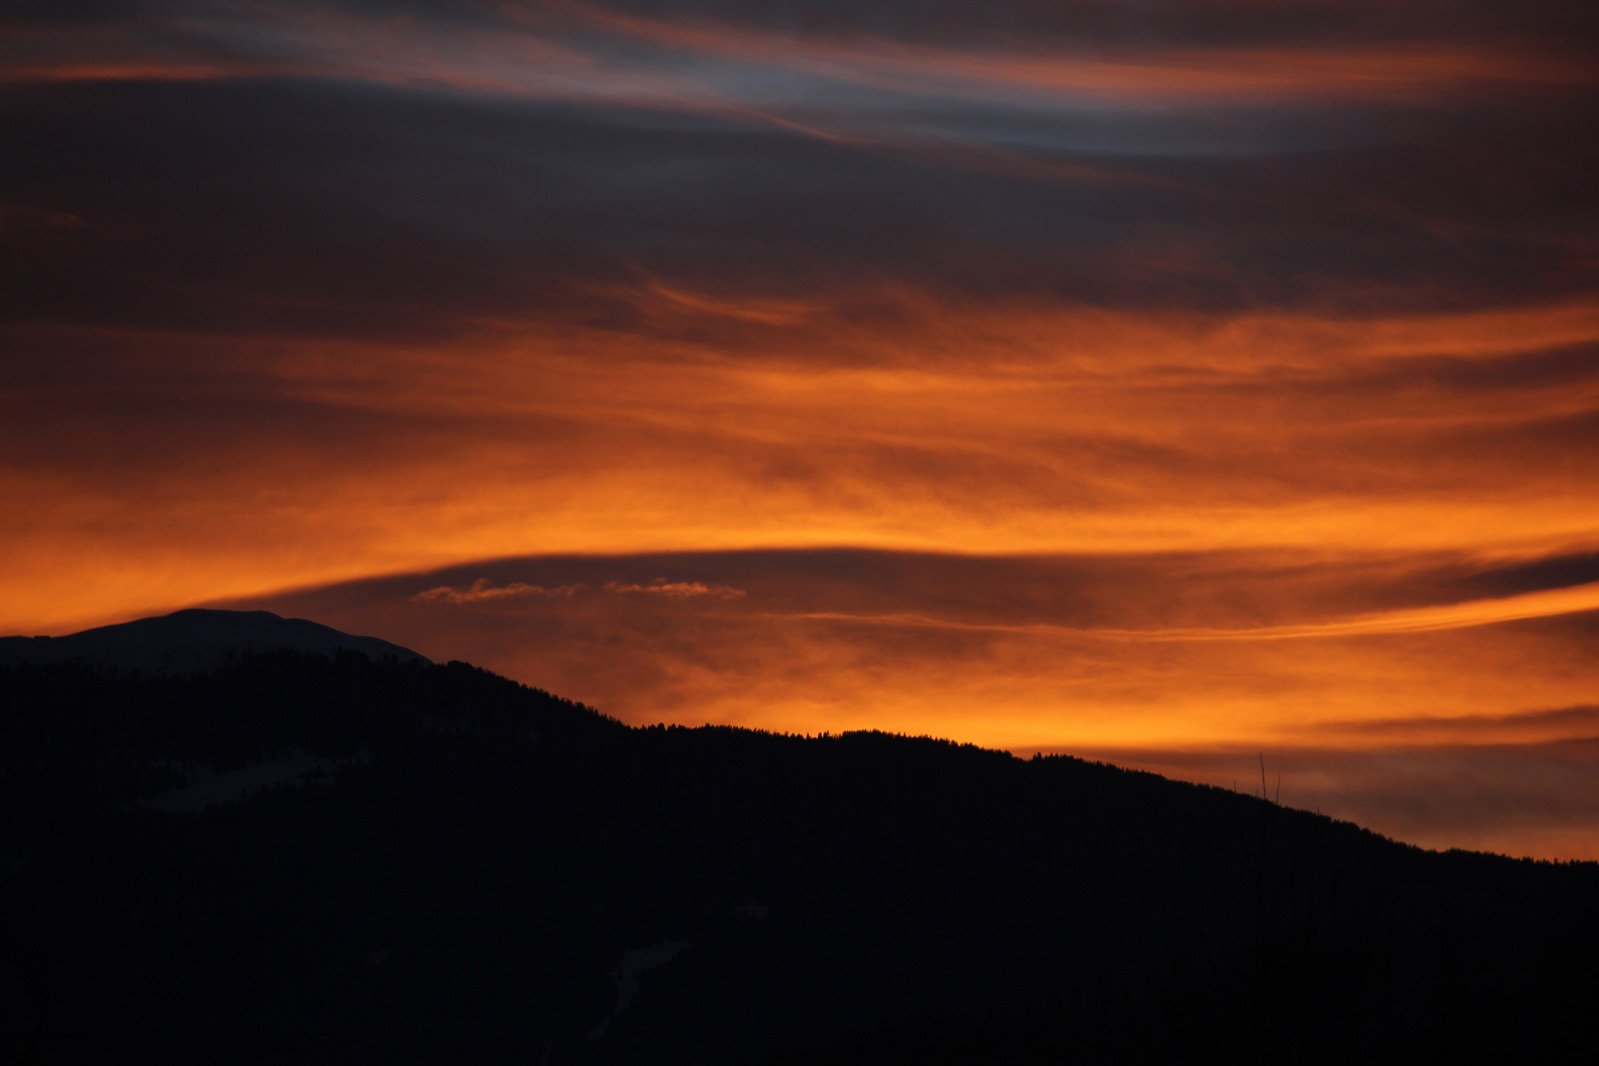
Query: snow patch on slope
pixel 634 962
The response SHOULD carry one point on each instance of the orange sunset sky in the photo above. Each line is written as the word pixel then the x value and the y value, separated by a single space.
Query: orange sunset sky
pixel 1164 382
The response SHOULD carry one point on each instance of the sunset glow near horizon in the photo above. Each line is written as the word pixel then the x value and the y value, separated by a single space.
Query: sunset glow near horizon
pixel 1170 383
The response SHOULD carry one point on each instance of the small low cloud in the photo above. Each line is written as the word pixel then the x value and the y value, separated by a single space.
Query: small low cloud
pixel 677 590
pixel 15 218
pixel 483 590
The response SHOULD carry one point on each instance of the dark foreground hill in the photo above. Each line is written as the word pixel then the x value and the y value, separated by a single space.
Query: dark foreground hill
pixel 300 858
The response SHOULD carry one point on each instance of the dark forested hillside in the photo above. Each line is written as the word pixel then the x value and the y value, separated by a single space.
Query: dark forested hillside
pixel 298 858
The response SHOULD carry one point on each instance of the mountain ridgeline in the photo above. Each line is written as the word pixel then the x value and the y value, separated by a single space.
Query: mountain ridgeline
pixel 196 639
pixel 312 854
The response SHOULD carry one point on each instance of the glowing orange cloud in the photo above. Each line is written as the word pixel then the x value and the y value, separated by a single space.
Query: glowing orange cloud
pixel 1542 604
pixel 964 429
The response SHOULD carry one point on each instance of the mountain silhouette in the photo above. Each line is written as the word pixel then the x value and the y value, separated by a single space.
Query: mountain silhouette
pixel 296 856
pixel 195 639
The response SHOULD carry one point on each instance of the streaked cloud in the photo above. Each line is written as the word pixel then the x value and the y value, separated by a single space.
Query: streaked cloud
pixel 1528 605
pixel 1535 726
pixel 1171 74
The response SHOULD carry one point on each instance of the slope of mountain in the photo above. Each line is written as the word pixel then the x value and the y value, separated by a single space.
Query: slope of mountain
pixel 195 639
pixel 464 869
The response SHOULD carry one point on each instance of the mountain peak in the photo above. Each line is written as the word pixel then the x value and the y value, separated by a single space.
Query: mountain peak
pixel 196 638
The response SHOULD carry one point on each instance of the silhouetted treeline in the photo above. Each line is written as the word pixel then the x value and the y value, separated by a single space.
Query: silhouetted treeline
pixel 454 867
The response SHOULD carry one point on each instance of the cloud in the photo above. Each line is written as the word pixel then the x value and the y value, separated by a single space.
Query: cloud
pixel 1538 799
pixel 1143 70
pixel 677 590
pixel 482 590
pixel 16 217
pixel 1529 605
pixel 1521 727
pixel 712 58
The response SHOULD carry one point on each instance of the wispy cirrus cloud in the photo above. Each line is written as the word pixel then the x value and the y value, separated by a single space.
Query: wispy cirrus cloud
pixel 1165 71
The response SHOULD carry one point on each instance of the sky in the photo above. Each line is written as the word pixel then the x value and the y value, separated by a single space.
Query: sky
pixel 1189 384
